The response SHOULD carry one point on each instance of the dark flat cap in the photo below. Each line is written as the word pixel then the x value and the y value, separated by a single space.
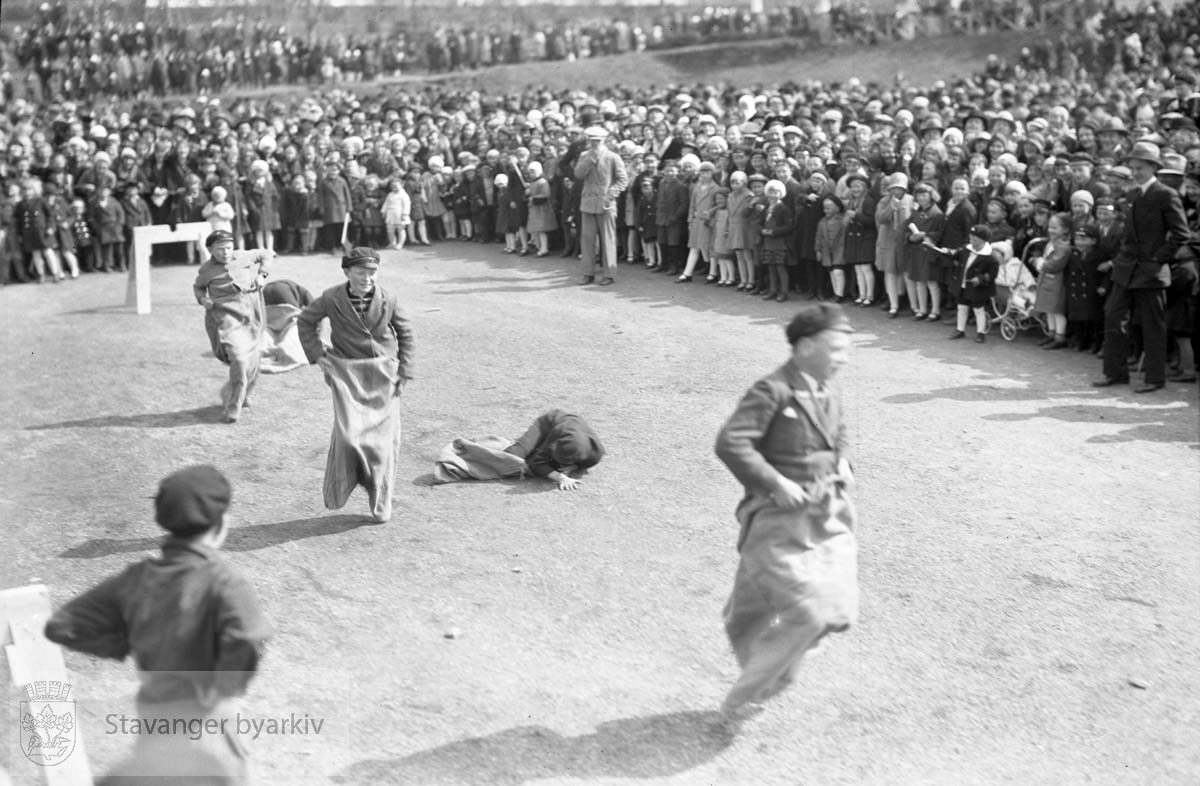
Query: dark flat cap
pixel 219 236
pixel 361 255
pixel 817 318
pixel 192 500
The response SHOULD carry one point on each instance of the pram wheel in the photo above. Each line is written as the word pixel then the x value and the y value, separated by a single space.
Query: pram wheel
pixel 1008 329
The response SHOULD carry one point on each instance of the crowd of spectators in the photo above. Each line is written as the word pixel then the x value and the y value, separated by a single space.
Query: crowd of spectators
pixel 869 193
pixel 82 51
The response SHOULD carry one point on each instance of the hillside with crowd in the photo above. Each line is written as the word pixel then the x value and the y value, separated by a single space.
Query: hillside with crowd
pixel 875 194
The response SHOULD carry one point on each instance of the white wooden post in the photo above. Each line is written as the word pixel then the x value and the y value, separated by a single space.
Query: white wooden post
pixel 144 238
pixel 31 658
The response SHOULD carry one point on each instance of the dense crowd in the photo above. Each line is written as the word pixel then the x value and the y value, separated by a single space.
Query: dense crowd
pixel 858 192
pixel 88 50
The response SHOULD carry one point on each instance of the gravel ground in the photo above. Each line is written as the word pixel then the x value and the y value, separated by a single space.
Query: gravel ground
pixel 1030 568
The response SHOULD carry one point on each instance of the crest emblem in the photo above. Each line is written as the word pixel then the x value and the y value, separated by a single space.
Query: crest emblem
pixel 48 727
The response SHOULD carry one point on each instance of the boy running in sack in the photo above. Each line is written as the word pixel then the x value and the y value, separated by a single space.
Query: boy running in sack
pixel 367 365
pixel 229 286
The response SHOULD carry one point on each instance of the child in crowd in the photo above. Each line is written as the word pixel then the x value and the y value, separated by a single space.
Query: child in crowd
pixel 647 224
pixel 38 233
pixel 396 209
pixel 262 205
pixel 738 204
pixel 416 197
pixel 373 230
pixel 508 219
pixel 671 213
pixel 1085 306
pixel 721 250
pixel 293 215
pixel 81 233
pixel 830 243
pixel 1051 267
pixel 60 216
pixel 778 225
pixel 218 212
pixel 975 269
pixel 108 223
pixel 460 199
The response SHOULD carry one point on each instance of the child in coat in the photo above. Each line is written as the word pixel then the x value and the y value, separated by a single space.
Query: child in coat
pixel 108 223
pixel 416 198
pixel 721 250
pixel 293 214
pixel 778 226
pixel 647 224
pixel 396 210
pixel 81 232
pixel 508 217
pixel 831 243
pixel 975 271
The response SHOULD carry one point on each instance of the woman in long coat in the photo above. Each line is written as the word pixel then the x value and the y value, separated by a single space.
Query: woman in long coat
pixel 861 236
pixel 922 264
pixel 541 220
pixel 891 217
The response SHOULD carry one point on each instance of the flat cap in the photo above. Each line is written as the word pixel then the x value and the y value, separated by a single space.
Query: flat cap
pixel 191 501
pixel 219 236
pixel 361 255
pixel 817 318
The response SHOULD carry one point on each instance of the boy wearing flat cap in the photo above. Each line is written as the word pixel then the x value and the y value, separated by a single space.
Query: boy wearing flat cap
pixel 194 627
pixel 786 442
pixel 367 364
pixel 229 286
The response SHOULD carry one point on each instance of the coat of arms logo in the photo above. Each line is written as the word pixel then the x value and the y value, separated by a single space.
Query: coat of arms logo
pixel 47 722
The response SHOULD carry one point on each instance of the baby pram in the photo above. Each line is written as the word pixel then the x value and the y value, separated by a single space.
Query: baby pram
pixel 1016 291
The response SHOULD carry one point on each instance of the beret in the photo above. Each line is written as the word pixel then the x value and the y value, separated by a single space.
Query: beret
pixel 360 255
pixel 817 318
pixel 192 500
pixel 219 236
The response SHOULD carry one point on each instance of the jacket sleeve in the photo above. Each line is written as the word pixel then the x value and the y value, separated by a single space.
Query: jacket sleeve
pixel 404 338
pixel 620 178
pixel 308 326
pixel 865 217
pixel 738 441
pixel 93 623
pixel 1175 223
pixel 242 634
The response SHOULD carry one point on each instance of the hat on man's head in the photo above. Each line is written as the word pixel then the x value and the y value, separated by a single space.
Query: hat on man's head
pixel 1145 151
pixel 595 132
pixel 817 318
pixel 361 255
pixel 1082 158
pixel 191 501
pixel 219 236
pixel 1173 164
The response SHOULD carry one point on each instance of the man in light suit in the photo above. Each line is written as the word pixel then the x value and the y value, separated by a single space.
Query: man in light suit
pixel 797 577
pixel 1155 229
pixel 603 176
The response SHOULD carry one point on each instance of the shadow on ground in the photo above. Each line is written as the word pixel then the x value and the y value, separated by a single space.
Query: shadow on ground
pixel 648 747
pixel 184 417
pixel 251 538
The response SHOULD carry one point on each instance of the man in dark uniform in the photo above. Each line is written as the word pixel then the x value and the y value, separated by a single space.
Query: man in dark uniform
pixel 194 628
pixel 786 442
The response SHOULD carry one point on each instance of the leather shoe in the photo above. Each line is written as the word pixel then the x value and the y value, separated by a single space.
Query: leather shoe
pixel 1181 377
pixel 1150 387
pixel 587 280
pixel 1108 382
pixel 957 334
pixel 606 282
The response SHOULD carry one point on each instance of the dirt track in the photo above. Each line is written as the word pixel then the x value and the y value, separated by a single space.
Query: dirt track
pixel 1029 543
